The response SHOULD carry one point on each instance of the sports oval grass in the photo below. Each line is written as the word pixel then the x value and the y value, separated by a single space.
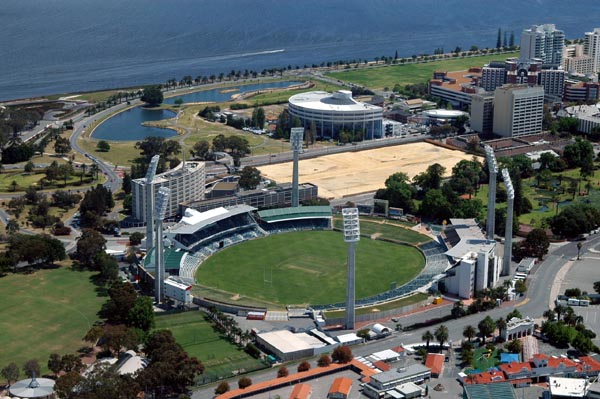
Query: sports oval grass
pixel 306 268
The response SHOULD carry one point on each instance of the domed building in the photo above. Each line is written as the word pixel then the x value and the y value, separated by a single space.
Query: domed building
pixel 335 112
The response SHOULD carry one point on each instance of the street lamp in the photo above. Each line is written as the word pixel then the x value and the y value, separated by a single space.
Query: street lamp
pixel 578 250
pixel 351 236
pixel 296 137
pixel 162 201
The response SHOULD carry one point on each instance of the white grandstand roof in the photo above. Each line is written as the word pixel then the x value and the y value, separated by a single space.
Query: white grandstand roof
pixel 287 342
pixel 324 101
pixel 200 220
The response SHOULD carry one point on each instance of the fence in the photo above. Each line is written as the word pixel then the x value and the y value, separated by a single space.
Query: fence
pixel 373 316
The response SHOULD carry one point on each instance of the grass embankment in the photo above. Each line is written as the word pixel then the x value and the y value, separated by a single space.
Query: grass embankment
pixel 45 312
pixel 306 268
pixel 388 76
pixel 387 229
pixel 198 338
pixel 398 303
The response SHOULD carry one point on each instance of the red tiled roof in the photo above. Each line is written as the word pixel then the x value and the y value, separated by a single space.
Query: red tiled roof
pixel 590 363
pixel 398 349
pixel 381 365
pixel 341 385
pixel 514 367
pixel 435 362
pixel 293 378
pixel 487 377
pixel 301 391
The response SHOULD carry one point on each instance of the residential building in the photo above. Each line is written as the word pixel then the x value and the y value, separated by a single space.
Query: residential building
pixel 591 48
pixel 581 91
pixel 518 110
pixel 493 75
pixel 476 265
pixel 544 42
pixel 435 362
pixel 575 61
pixel 482 113
pixel 340 388
pixel 587 115
pixel 271 197
pixel 456 87
pixel 380 383
pixel 567 388
pixel 492 391
pixel 330 113
pixel 553 82
pixel 186 182
pixel 301 391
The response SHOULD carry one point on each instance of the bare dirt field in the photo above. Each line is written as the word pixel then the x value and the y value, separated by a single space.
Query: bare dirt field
pixel 340 175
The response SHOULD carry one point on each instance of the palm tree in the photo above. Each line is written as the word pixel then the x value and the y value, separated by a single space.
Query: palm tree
pixel 83 168
pixel 441 335
pixel 559 310
pixel 501 325
pixel 469 332
pixel 94 169
pixel 549 314
pixel 427 336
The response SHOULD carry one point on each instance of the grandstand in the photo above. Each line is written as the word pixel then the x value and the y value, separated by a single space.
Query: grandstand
pixel 436 263
pixel 206 232
pixel 177 263
pixel 283 220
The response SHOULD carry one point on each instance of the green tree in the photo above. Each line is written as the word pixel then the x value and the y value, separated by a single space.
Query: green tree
pixel 12 226
pixel 430 179
pixel 122 299
pixel 249 178
pixel 88 245
pixel 178 101
pixel 31 368
pixel 29 166
pixel 10 372
pixel 54 363
pixel 435 206
pixel 201 150
pixel 62 145
pixel 520 287
pixel 486 327
pixel 103 146
pixel 126 185
pixel 66 384
pixel 258 117
pixel 136 238
pixel 141 315
pixel 106 265
pixel 398 191
pixel 152 96
pixel 535 245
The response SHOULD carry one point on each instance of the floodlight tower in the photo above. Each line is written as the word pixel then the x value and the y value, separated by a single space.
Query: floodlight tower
pixel 510 192
pixel 149 188
pixel 491 209
pixel 162 201
pixel 296 138
pixel 351 236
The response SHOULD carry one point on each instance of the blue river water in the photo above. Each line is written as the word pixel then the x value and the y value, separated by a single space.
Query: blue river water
pixel 127 125
pixel 65 46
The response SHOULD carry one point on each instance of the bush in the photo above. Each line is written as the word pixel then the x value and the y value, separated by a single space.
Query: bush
pixel 282 372
pixel 342 354
pixel 252 350
pixel 304 366
pixel 244 382
pixel 222 388
pixel 324 361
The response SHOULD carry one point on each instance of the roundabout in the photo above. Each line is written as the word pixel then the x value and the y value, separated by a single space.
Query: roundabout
pixel 304 268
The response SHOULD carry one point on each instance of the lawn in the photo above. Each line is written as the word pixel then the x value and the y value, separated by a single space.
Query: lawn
pixel 387 229
pixel 307 268
pixel 541 198
pixel 388 76
pixel 45 312
pixel 198 338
